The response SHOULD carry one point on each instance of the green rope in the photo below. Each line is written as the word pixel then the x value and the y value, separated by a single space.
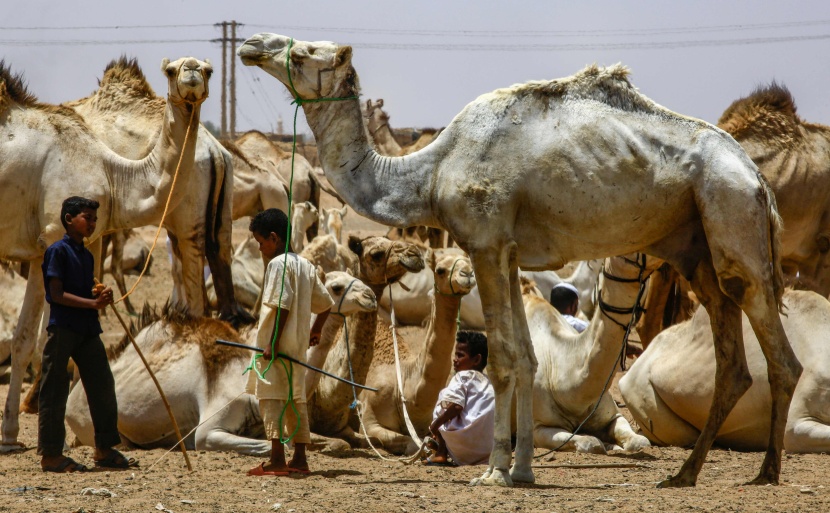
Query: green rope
pixel 290 374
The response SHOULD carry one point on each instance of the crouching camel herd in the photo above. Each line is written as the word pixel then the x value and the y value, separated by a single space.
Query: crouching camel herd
pixel 737 210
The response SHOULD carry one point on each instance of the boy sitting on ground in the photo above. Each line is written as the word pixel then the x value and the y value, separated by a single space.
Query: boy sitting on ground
pixel 74 332
pixel 291 291
pixel 464 418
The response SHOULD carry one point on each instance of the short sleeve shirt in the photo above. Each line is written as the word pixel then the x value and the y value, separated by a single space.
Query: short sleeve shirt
pixel 301 294
pixel 73 264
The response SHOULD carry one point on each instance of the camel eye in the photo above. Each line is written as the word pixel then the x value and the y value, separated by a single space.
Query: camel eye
pixel 440 272
pixel 377 256
pixel 337 289
pixel 171 72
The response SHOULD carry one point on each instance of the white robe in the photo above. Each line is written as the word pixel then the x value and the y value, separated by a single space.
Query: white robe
pixel 469 436
pixel 303 295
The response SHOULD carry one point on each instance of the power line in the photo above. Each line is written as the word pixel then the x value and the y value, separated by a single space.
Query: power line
pixel 92 42
pixel 550 33
pixel 110 27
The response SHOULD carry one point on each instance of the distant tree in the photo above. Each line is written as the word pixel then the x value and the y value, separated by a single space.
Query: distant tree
pixel 213 129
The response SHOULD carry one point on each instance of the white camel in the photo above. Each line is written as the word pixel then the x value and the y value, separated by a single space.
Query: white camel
pixel 517 178
pixel 669 388
pixel 48 153
pixel 303 216
pixel 331 221
pixel 199 377
pixel 574 369
pixel 125 114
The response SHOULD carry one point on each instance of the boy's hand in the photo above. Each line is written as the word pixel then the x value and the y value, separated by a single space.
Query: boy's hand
pixel 314 339
pixel 103 298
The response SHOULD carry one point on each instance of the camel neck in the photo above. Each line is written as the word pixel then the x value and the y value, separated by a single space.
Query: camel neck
pixel 604 336
pixel 434 363
pixel 395 191
pixel 143 186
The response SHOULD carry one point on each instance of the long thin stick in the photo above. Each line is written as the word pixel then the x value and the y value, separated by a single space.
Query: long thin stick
pixel 593 465
pixel 158 386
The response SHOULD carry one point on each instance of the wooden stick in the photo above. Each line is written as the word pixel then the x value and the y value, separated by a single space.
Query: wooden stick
pixel 158 385
pixel 593 465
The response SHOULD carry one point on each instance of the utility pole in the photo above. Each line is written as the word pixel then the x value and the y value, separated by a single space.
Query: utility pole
pixel 233 79
pixel 228 111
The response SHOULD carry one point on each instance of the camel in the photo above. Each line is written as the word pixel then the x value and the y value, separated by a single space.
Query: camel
pixel 669 388
pixel 303 216
pixel 329 254
pixel 13 286
pixel 331 221
pixel 135 252
pixel 177 345
pixel 516 178
pixel 381 262
pixel 48 153
pixel 793 156
pixel 377 123
pixel 574 367
pixel 267 155
pixel 254 187
pixel 247 269
pixel 125 114
pixel 423 374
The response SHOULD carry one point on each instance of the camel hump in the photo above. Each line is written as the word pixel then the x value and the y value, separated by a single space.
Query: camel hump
pixel 13 86
pixel 768 112
pixel 126 71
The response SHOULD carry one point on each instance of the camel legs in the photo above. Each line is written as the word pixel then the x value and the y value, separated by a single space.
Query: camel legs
pixel 549 437
pixel 116 269
pixel 23 344
pixel 510 365
pixel 732 377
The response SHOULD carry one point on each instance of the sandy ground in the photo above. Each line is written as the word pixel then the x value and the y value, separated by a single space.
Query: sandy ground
pixel 357 480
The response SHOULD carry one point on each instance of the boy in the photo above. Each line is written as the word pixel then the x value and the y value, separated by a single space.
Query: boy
pixel 464 419
pixel 74 332
pixel 565 298
pixel 284 321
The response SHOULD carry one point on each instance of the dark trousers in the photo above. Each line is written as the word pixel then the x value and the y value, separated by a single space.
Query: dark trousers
pixel 91 360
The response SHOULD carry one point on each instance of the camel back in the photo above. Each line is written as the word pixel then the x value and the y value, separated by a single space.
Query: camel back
pixel 187 330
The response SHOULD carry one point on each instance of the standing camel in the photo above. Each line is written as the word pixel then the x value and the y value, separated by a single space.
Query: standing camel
pixel 517 178
pixel 47 154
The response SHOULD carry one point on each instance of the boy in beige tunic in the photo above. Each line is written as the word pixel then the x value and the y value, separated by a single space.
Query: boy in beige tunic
pixel 292 291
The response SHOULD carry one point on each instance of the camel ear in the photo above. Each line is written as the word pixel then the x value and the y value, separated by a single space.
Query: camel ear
pixel 321 274
pixel 369 105
pixel 164 63
pixel 356 245
pixel 344 56
pixel 344 211
pixel 430 259
pixel 380 103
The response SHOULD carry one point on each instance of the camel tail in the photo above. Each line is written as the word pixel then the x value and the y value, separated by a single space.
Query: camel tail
pixel 776 226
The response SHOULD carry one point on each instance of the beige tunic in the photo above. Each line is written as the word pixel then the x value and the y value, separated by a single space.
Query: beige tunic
pixel 304 293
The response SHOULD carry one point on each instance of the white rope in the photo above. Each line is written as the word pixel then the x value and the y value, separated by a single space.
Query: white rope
pixel 191 432
pixel 413 433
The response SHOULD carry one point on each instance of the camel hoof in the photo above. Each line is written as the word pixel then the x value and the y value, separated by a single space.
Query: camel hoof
pixel 493 477
pixel 524 475
pixel 637 443
pixel 7 447
pixel 763 480
pixel 676 482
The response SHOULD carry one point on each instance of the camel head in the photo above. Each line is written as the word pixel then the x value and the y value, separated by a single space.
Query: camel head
pixel 320 69
pixel 350 295
pixel 376 117
pixel 187 79
pixel 453 271
pixel 331 219
pixel 383 261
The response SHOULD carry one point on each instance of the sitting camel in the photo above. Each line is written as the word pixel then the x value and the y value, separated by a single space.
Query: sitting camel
pixel 381 262
pixel 574 368
pixel 135 251
pixel 669 388
pixel 517 179
pixel 423 374
pixel 247 269
pixel 178 345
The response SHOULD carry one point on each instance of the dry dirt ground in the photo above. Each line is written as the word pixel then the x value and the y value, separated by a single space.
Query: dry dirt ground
pixel 357 480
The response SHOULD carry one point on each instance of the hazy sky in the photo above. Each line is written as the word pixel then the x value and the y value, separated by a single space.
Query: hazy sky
pixel 427 59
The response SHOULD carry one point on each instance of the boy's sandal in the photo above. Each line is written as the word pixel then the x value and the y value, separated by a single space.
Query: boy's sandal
pixel 116 460
pixel 259 470
pixel 429 463
pixel 66 466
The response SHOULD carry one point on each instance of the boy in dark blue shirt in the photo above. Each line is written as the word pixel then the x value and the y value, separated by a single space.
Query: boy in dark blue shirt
pixel 74 332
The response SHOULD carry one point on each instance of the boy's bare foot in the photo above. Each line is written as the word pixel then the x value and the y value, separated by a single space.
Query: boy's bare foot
pixel 298 465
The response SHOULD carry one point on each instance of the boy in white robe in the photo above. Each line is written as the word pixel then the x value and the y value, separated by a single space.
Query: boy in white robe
pixel 464 419
pixel 292 290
